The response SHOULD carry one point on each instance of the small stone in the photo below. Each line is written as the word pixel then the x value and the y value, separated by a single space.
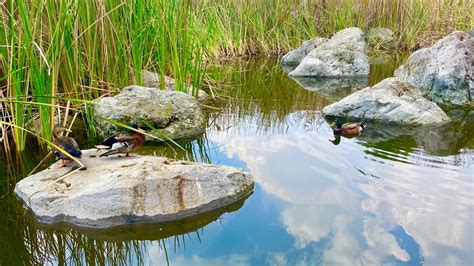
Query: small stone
pixel 152 80
pixel 381 38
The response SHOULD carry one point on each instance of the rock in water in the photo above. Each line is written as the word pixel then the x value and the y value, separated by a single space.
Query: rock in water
pixel 381 38
pixel 152 80
pixel 176 114
pixel 344 55
pixel 294 57
pixel 444 72
pixel 126 190
pixel 391 101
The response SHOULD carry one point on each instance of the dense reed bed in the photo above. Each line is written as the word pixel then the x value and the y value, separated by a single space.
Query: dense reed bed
pixel 58 54
pixel 274 26
pixel 54 52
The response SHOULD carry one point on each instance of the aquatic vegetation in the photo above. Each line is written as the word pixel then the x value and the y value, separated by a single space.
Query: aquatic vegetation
pixel 273 26
pixel 52 52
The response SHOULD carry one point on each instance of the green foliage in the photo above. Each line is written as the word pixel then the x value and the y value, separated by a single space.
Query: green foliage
pixel 81 50
pixel 53 50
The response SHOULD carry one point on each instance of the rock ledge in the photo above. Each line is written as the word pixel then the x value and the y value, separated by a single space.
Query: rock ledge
pixel 118 190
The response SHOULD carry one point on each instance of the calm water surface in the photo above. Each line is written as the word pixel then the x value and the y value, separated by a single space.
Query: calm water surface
pixel 393 196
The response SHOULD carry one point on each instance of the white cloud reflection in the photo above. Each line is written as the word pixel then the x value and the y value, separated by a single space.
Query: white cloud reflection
pixel 329 199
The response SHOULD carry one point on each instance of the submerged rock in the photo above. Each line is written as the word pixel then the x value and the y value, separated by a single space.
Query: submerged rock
pixel 344 55
pixel 294 57
pixel 126 190
pixel 381 38
pixel 333 89
pixel 176 114
pixel 391 101
pixel 444 72
pixel 152 80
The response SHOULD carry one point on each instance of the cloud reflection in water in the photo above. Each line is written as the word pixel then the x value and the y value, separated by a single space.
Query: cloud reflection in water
pixel 350 215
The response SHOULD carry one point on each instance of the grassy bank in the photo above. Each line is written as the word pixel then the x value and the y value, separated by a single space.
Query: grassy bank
pixel 66 53
pixel 274 26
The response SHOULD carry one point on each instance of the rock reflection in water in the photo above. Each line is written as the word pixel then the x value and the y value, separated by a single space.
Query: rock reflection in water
pixel 125 245
pixel 333 89
pixel 444 140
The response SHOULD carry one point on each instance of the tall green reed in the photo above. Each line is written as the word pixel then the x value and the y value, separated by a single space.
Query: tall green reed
pixel 246 27
pixel 55 51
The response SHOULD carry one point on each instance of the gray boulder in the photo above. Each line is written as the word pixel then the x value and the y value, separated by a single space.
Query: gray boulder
pixel 176 114
pixel 152 80
pixel 344 55
pixel 444 73
pixel 381 38
pixel 391 101
pixel 126 190
pixel 293 58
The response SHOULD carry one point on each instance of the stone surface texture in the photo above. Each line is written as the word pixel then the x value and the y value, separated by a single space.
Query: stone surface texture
pixel 294 57
pixel 152 80
pixel 391 101
pixel 344 55
pixel 444 73
pixel 125 190
pixel 175 114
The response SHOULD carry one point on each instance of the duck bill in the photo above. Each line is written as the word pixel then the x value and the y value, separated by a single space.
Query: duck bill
pixel 333 124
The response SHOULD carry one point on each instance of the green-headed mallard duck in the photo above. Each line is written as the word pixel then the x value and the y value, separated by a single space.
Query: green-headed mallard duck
pixel 68 144
pixel 348 129
pixel 122 142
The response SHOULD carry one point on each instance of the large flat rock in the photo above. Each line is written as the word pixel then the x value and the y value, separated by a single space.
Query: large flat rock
pixel 344 55
pixel 391 101
pixel 175 114
pixel 115 191
pixel 444 73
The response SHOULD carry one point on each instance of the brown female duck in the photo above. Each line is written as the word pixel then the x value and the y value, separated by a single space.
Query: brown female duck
pixel 122 142
pixel 67 144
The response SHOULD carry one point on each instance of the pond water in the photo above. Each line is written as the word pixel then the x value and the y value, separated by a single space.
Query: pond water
pixel 392 196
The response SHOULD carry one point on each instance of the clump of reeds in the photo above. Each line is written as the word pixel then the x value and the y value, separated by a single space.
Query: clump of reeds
pixel 272 26
pixel 54 51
